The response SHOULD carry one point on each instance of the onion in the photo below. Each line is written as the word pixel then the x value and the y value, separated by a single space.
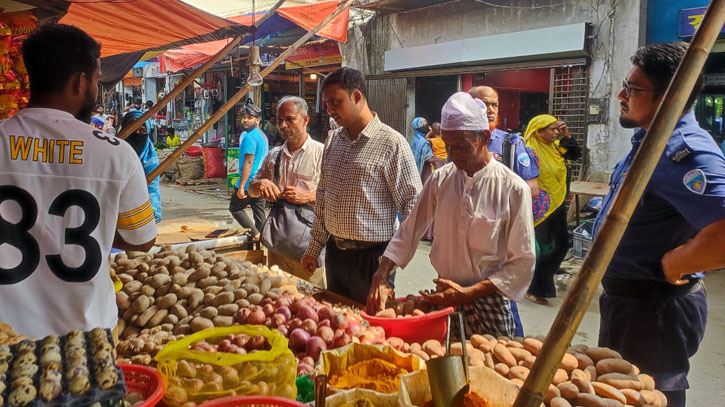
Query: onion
pixel 310 326
pixel 327 334
pixel 354 329
pixel 283 330
pixel 241 340
pixel 314 347
pixel 282 302
pixel 256 318
pixel 306 312
pixel 339 321
pixel 294 323
pixel 243 314
pixel 257 342
pixel 284 310
pixel 268 309
pixel 298 339
pixel 267 300
pixel 304 369
pixel 342 340
pixel 325 322
pixel 308 360
pixel 325 312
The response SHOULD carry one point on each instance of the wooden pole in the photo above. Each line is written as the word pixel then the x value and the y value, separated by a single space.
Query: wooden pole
pixel 586 282
pixel 125 131
pixel 239 95
pixel 269 13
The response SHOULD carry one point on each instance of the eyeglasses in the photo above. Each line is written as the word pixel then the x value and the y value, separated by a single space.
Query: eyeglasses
pixel 628 88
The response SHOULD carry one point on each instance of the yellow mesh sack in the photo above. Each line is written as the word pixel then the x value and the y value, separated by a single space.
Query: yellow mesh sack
pixel 199 376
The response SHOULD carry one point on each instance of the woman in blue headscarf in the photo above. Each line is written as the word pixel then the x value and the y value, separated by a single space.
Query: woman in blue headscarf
pixel 420 146
pixel 146 152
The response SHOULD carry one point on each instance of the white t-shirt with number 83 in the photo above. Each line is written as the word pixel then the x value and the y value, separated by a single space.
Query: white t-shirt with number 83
pixel 65 188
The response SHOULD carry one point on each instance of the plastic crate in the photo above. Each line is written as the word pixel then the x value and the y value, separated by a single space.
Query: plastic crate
pixel 432 325
pixel 144 380
pixel 252 401
pixel 583 239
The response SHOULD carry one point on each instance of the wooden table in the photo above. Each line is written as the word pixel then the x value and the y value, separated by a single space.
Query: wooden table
pixel 586 188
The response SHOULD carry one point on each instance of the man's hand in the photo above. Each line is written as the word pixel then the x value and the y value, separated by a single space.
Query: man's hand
pixel 269 190
pixel 672 274
pixel 449 293
pixel 309 264
pixel 241 194
pixel 295 195
pixel 563 129
pixel 380 292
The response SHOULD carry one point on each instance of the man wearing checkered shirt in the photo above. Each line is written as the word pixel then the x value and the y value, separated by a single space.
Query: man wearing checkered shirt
pixel 368 177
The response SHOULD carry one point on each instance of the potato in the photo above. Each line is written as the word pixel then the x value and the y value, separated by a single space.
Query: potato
pixel 503 355
pixel 583 385
pixel 183 329
pixel 517 382
pixel 621 381
pixel 488 361
pixel 568 362
pixel 409 306
pixel 583 360
pixel 223 298
pixel 560 376
pixel 158 317
pixel 265 286
pixel 167 301
pixel 612 365
pixel 159 280
pixel 223 321
pixel 147 290
pixel 579 348
pixel 519 353
pixel 179 311
pixel 198 274
pixel 589 400
pixel 146 316
pixel 196 298
pixel 477 340
pixel 255 298
pixel 228 309
pixel 518 372
pixel 433 347
pixel 200 323
pixel 568 390
pixel 599 353
pixel 592 372
pixel 180 278
pixel 502 369
pixel 171 319
pixel 551 392
pixel 648 383
pixel 634 398
pixel 559 402
pixel 607 391
pixel 213 289
pixel 132 287
pixel 209 312
pixel 529 361
pixel 122 301
pixel 533 345
pixel 514 344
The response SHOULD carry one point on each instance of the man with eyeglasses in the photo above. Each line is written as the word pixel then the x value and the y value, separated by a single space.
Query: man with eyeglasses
pixel 653 309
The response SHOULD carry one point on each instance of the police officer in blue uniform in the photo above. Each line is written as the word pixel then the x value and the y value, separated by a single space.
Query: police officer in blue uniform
pixel 515 156
pixel 653 309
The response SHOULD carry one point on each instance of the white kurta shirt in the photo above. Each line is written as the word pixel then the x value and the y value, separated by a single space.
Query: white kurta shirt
pixel 483 228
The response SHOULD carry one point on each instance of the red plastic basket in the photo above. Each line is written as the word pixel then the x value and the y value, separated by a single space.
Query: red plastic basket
pixel 252 401
pixel 432 325
pixel 144 380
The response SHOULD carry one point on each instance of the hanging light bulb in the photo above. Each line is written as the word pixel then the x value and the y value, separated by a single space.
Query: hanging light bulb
pixel 254 62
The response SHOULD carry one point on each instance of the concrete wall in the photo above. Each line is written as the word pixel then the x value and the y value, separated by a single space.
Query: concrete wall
pixel 618 30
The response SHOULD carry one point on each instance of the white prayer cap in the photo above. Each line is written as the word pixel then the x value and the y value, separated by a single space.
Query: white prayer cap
pixel 463 112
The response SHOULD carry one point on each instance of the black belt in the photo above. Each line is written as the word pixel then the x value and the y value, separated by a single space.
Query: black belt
pixel 644 288
pixel 346 244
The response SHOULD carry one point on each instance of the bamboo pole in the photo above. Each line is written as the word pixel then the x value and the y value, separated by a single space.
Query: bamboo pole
pixel 125 131
pixel 585 285
pixel 192 77
pixel 239 95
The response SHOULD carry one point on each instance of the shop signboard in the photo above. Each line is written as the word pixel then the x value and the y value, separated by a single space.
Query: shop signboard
pixel 326 53
pixel 232 166
pixel 690 20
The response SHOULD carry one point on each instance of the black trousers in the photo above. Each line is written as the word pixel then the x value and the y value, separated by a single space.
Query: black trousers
pixel 553 239
pixel 350 272
pixel 237 207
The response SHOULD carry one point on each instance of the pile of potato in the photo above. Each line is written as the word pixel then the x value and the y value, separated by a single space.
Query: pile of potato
pixel 175 293
pixel 587 377
pixel 412 306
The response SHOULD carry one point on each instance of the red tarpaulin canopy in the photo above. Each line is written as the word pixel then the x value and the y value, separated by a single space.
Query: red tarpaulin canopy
pixel 139 25
pixel 305 16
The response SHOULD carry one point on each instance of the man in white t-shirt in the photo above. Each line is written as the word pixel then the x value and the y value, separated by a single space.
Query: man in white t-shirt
pixel 68 192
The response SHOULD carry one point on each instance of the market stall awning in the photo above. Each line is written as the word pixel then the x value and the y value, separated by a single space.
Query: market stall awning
pixel 124 27
pixel 285 19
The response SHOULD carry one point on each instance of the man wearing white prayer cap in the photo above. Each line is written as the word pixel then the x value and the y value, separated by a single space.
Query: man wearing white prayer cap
pixel 483 250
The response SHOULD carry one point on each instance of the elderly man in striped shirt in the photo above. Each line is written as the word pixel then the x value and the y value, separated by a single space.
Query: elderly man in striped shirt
pixel 368 177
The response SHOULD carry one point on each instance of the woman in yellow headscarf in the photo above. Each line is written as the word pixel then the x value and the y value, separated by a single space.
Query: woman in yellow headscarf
pixel 543 137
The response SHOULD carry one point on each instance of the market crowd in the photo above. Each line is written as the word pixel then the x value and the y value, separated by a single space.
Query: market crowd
pixel 349 214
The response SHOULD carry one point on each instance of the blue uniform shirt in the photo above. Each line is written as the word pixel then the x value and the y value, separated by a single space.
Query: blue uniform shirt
pixel 523 164
pixel 252 142
pixel 685 194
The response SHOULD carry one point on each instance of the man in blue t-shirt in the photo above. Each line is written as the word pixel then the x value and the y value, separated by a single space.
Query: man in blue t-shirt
pixel 653 309
pixel 253 147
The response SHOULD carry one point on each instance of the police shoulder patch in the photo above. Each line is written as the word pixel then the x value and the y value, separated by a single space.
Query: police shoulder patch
pixel 524 159
pixel 695 180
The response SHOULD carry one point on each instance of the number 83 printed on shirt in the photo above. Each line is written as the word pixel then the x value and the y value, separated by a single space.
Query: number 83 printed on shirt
pixel 65 188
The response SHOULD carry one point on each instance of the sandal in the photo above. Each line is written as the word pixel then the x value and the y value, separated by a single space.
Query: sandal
pixel 536 299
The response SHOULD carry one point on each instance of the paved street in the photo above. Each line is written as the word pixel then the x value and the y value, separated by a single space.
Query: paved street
pixel 708 366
